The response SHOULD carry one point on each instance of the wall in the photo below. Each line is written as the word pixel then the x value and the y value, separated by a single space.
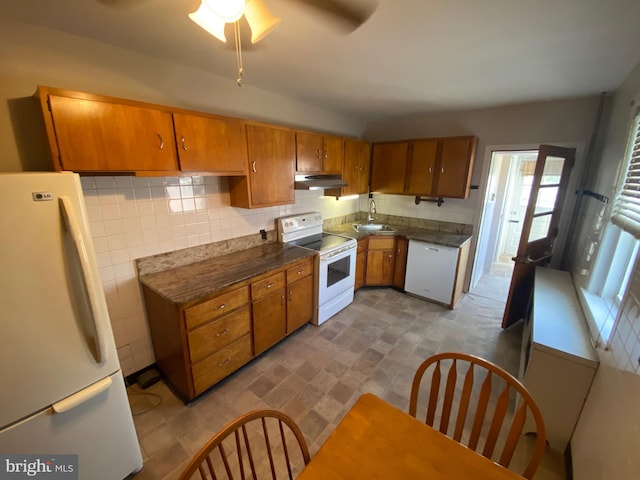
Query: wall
pixel 605 442
pixel 32 56
pixel 135 217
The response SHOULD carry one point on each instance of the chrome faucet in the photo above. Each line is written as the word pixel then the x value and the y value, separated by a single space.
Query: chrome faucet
pixel 372 210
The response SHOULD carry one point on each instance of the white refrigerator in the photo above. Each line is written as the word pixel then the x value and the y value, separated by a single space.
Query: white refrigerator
pixel 61 388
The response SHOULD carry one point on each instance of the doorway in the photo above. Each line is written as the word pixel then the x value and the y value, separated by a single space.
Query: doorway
pixel 506 198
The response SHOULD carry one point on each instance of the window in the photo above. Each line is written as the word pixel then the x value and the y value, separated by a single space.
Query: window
pixel 619 247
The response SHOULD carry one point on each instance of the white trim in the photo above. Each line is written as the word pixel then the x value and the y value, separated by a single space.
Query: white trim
pixel 471 277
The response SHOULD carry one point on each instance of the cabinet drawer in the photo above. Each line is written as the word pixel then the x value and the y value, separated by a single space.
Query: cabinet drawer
pixel 220 364
pixel 362 245
pixel 265 287
pixel 219 333
pixel 301 270
pixel 216 307
pixel 379 243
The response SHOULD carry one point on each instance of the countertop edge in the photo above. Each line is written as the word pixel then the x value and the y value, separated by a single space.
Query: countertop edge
pixel 438 237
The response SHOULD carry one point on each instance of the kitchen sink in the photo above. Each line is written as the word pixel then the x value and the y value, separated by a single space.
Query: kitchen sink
pixel 378 228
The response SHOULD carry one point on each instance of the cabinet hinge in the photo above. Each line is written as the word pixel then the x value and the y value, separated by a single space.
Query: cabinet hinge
pixel 49 104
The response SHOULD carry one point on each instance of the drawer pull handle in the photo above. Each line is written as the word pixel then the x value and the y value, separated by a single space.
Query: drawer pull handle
pixel 269 285
pixel 221 306
pixel 431 248
pixel 300 272
pixel 225 363
pixel 223 332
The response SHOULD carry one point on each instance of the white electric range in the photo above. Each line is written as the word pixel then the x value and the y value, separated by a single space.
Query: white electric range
pixel 335 265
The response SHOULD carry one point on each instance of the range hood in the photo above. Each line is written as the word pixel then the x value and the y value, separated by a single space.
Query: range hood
pixel 317 182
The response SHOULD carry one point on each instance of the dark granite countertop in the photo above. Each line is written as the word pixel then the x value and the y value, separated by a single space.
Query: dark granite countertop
pixel 191 282
pixel 438 237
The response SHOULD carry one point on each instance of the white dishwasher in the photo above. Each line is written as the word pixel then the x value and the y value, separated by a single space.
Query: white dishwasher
pixel 431 271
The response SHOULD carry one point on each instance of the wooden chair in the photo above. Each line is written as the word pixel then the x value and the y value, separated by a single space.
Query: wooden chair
pixel 479 406
pixel 255 445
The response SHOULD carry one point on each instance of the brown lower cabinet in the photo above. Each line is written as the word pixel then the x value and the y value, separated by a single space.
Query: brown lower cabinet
pixel 400 267
pixel 299 303
pixel 361 262
pixel 198 344
pixel 380 261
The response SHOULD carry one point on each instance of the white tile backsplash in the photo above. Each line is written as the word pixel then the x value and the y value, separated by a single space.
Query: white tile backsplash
pixel 132 217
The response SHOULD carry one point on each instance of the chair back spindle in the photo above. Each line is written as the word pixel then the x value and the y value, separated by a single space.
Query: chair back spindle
pixel 256 445
pixel 480 405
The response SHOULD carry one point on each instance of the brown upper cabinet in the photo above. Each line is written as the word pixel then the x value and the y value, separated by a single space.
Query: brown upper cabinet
pixel 211 144
pixel 318 153
pixel 271 169
pixel 355 169
pixel 90 133
pixel 455 167
pixel 439 167
pixel 389 167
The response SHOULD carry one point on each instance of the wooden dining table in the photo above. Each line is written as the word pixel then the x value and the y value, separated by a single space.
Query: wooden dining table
pixel 375 440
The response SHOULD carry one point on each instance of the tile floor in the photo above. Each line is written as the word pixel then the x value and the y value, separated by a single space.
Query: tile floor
pixel 316 374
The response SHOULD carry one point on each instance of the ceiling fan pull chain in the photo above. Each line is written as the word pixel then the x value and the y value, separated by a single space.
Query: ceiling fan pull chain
pixel 238 53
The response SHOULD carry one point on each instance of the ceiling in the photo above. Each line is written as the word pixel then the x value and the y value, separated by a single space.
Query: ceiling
pixel 410 56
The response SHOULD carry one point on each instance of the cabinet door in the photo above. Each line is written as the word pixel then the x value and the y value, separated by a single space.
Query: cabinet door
pixel 211 144
pixel 309 152
pixel 271 165
pixel 361 259
pixel 402 245
pixel 299 303
pixel 361 263
pixel 364 167
pixel 389 167
pixel 269 321
pixel 456 162
pixel 333 154
pixel 100 136
pixel 356 167
pixel 379 267
pixel 380 261
pixel 422 167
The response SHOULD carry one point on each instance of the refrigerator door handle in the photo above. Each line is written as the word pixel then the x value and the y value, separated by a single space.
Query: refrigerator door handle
pixel 84 395
pixel 90 284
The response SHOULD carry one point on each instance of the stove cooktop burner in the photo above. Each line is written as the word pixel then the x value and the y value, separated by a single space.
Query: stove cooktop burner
pixel 321 242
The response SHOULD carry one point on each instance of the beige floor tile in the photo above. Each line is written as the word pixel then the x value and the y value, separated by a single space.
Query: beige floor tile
pixel 316 374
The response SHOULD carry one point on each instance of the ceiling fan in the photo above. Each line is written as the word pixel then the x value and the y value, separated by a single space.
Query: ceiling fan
pixel 213 15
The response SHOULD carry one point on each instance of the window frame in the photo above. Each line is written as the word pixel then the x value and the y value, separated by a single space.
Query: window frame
pixel 616 258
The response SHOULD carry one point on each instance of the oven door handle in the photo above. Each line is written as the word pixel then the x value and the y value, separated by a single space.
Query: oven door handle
pixel 338 255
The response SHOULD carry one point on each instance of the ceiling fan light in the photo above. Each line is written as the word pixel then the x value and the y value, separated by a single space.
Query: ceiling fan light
pixel 228 10
pixel 260 19
pixel 206 19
